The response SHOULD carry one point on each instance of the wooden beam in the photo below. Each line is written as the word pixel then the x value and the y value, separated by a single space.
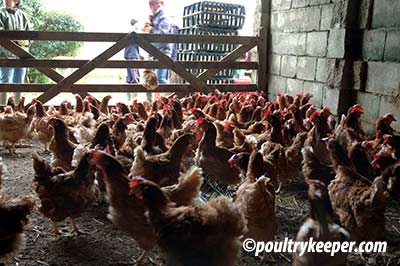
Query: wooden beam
pixel 262 47
pixel 24 55
pixel 235 54
pixel 114 37
pixel 123 87
pixel 56 63
pixel 85 69
pixel 168 62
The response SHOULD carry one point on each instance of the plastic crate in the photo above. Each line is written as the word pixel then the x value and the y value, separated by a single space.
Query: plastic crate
pixel 214 14
pixel 205 57
pixel 207 47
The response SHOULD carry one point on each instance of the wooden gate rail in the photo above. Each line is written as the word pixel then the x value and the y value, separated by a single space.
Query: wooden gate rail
pixel 61 63
pixel 67 84
pixel 120 88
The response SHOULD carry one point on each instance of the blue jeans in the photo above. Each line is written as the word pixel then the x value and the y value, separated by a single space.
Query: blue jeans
pixel 162 75
pixel 11 75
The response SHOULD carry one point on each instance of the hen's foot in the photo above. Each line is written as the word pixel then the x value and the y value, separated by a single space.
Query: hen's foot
pixel 56 229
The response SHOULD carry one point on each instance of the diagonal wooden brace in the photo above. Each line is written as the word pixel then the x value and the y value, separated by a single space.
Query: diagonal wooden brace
pixel 21 53
pixel 169 63
pixel 67 82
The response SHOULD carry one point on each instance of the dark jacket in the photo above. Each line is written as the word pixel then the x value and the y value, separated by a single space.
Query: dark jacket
pixel 161 25
pixel 132 51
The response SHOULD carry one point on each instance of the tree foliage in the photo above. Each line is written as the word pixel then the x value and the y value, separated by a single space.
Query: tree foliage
pixel 57 21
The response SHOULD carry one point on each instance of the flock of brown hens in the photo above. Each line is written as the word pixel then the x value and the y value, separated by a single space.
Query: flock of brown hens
pixel 148 161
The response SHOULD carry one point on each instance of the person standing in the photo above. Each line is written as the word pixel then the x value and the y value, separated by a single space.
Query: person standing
pixel 131 52
pixel 160 24
pixel 12 18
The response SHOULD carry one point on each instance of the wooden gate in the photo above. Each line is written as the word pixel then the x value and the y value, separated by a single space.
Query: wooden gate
pixel 68 84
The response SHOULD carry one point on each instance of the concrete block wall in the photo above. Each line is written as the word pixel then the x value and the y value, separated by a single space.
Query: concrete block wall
pixel 380 52
pixel 342 51
pixel 300 32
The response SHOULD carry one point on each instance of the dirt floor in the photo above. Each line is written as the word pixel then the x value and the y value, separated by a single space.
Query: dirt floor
pixel 106 245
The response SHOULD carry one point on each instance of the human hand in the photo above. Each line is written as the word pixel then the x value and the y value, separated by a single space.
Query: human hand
pixel 22 42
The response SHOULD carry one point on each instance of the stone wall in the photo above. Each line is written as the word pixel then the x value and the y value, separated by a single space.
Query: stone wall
pixel 342 51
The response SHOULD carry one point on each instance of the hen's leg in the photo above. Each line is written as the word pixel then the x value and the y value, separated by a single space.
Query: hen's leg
pixel 279 188
pixel 75 229
pixel 267 257
pixel 46 150
pixel 142 257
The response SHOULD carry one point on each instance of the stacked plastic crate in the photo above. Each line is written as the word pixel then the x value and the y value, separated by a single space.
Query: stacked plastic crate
pixel 210 18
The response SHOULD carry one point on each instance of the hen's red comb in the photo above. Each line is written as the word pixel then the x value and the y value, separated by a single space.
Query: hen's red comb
pixel 327 110
pixel 136 181
pixel 314 115
pixel 166 107
pixel 267 113
pixel 386 138
pixel 228 124
pixel 200 120
pixel 315 182
pixel 356 109
pixel 96 154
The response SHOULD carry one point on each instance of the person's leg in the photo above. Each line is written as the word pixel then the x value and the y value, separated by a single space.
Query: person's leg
pixel 136 75
pixel 129 75
pixel 6 76
pixel 19 76
pixel 162 75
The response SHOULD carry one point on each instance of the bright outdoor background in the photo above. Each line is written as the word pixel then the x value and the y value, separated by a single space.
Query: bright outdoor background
pixel 115 16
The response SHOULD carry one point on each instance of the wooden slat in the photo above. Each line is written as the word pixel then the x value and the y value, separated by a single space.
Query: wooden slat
pixel 54 63
pixel 235 54
pixel 21 53
pixel 85 69
pixel 168 62
pixel 122 87
pixel 113 37
pixel 262 47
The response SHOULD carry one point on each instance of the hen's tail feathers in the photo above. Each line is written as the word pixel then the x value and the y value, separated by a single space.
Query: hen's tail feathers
pixel 138 163
pixel 378 194
pixel 40 165
pixel 228 217
pixel 79 151
pixel 238 137
pixel 139 154
pixel 188 188
pixel 312 168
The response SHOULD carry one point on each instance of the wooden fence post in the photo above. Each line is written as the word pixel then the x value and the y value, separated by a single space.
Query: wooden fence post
pixel 262 47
